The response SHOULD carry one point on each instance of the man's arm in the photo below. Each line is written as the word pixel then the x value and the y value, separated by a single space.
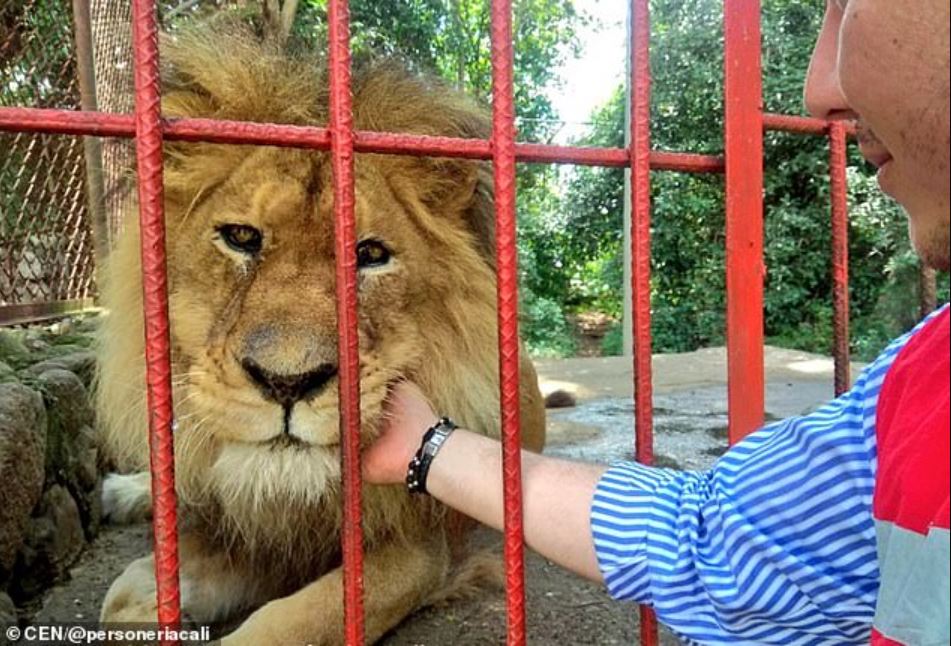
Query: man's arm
pixel 467 476
pixel 556 497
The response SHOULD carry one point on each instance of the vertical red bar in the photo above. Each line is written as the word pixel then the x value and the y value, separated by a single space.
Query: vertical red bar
pixel 503 159
pixel 641 254
pixel 743 143
pixel 840 256
pixel 341 150
pixel 148 151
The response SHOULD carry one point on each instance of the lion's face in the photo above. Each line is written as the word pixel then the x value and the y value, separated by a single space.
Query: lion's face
pixel 253 301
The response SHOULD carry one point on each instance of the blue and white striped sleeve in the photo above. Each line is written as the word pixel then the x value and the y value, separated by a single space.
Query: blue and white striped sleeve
pixel 774 545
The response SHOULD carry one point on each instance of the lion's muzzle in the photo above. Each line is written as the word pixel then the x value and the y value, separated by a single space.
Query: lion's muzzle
pixel 287 390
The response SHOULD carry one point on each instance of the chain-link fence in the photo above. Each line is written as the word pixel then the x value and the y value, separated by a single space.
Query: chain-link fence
pixel 46 243
pixel 62 198
pixel 112 62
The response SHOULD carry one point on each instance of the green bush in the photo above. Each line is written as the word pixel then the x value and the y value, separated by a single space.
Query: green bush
pixel 543 326
pixel 612 345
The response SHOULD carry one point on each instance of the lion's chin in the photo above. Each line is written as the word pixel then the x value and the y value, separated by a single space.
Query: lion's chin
pixel 278 471
pixel 286 441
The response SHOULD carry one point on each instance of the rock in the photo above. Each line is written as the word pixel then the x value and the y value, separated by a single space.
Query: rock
pixel 8 612
pixel 71 454
pixel 560 399
pixel 51 545
pixel 22 461
pixel 35 342
pixel 67 401
pixel 82 364
pixel 7 374
pixel 88 324
pixel 62 349
pixel 12 348
pixel 64 326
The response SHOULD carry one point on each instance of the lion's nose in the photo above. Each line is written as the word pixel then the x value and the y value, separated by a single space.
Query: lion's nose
pixel 287 390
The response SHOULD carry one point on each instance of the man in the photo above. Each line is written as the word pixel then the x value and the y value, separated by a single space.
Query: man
pixel 826 529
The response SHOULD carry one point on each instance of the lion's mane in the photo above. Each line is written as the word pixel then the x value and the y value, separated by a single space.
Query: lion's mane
pixel 283 515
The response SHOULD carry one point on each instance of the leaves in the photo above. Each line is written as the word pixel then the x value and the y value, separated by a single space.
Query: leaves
pixel 583 239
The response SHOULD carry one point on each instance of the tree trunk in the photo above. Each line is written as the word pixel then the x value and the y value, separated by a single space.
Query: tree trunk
pixel 927 290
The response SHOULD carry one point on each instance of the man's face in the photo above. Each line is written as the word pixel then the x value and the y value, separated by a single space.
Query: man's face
pixel 886 64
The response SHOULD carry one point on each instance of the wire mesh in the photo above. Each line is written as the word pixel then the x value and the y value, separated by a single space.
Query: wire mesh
pixel 44 229
pixel 112 54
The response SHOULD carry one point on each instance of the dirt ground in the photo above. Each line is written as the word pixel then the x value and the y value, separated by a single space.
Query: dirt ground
pixel 690 425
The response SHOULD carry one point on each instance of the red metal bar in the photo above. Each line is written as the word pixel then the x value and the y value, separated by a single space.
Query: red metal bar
pixel 802 125
pixel 743 141
pixel 503 162
pixel 795 124
pixel 640 163
pixel 245 132
pixel 685 162
pixel 66 122
pixel 840 256
pixel 148 138
pixel 341 148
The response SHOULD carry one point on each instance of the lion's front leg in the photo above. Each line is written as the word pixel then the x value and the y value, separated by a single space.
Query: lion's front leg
pixel 212 588
pixel 397 580
pixel 131 597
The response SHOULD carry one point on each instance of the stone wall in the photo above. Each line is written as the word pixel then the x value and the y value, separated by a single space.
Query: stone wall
pixel 50 485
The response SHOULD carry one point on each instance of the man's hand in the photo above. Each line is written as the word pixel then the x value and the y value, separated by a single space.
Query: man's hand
pixel 407 414
pixel 467 475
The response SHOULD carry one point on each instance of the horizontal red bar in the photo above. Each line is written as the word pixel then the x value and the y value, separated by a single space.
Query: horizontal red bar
pixel 66 122
pixel 800 125
pixel 100 124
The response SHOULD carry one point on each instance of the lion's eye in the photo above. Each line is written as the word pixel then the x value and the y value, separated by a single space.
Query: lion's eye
pixel 372 253
pixel 241 237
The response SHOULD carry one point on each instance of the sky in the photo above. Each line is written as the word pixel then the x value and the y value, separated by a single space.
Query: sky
pixel 590 79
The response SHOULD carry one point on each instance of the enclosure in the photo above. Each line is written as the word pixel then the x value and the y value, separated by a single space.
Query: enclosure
pixel 66 247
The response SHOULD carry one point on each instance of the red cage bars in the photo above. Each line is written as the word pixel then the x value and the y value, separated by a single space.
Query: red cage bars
pixel 840 255
pixel 744 127
pixel 148 138
pixel 341 151
pixel 743 142
pixel 639 155
pixel 503 164
pixel 101 124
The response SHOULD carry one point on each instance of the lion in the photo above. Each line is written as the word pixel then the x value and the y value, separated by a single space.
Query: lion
pixel 250 241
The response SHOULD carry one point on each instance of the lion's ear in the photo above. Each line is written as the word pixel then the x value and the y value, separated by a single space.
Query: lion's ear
pixel 479 211
pixel 460 189
pixel 447 185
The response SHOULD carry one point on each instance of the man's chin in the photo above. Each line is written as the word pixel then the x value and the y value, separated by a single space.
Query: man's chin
pixel 932 246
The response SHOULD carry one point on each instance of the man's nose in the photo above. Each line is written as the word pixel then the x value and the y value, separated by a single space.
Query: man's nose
pixel 823 93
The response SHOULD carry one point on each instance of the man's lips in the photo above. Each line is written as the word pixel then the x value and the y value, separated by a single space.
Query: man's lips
pixel 871 147
pixel 875 155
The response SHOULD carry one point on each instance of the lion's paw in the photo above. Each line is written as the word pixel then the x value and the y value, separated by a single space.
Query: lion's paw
pixel 131 597
pixel 127 499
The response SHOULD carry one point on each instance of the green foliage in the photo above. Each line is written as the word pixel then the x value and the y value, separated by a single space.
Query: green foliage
pixel 543 326
pixel 612 345
pixel 451 38
pixel 687 283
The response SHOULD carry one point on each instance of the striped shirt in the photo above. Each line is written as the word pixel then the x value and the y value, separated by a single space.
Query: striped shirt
pixel 774 545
